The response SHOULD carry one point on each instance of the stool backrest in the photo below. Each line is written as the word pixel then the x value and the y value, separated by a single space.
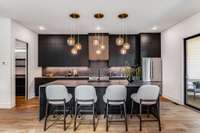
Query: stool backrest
pixel 116 92
pixel 54 92
pixel 148 92
pixel 85 92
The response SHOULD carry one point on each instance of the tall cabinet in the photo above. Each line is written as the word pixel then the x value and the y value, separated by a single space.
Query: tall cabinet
pixel 150 45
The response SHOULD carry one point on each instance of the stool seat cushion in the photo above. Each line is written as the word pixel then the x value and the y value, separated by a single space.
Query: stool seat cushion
pixel 136 99
pixel 111 103
pixel 67 99
pixel 87 103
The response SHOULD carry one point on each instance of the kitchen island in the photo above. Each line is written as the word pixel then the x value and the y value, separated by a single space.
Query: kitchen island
pixel 100 90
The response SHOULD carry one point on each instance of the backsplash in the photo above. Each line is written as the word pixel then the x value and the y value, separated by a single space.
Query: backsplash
pixel 95 69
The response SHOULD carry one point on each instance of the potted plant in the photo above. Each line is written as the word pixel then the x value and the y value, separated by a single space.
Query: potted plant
pixel 128 71
pixel 138 73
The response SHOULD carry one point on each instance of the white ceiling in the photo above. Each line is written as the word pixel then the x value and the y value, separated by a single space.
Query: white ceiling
pixel 143 14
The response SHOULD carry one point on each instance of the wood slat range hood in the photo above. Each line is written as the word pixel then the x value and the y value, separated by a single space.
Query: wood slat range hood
pixel 104 40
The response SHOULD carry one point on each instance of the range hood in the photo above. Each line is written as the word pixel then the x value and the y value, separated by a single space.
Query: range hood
pixel 104 56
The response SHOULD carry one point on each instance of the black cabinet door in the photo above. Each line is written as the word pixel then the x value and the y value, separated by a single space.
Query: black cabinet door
pixel 116 58
pixel 150 45
pixel 53 50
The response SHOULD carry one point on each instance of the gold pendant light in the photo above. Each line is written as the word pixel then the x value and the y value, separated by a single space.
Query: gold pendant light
pixel 98 40
pixel 78 46
pixel 74 51
pixel 123 51
pixel 72 40
pixel 120 41
pixel 126 46
pixel 123 40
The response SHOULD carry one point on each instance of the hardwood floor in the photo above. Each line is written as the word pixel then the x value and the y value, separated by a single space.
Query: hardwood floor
pixel 23 119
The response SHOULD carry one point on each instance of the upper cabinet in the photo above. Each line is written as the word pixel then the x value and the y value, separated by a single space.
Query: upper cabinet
pixel 116 58
pixel 150 44
pixel 53 50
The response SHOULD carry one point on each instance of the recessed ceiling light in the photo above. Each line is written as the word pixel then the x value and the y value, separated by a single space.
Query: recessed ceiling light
pixel 20 50
pixel 98 28
pixel 42 28
pixel 154 28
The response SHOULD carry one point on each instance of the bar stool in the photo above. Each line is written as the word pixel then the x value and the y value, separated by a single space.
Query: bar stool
pixel 147 95
pixel 57 95
pixel 85 97
pixel 115 95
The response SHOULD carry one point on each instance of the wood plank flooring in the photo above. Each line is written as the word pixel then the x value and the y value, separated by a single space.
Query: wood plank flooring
pixel 23 119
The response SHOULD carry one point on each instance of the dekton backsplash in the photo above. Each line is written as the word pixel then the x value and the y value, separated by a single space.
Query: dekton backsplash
pixel 95 68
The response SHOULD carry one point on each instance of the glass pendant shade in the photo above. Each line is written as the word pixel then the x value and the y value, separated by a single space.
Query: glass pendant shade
pixel 123 51
pixel 126 46
pixel 98 51
pixel 102 47
pixel 74 51
pixel 95 42
pixel 78 46
pixel 120 41
pixel 71 41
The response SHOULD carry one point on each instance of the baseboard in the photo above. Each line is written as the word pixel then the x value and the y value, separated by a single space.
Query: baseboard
pixel 6 106
pixel 174 100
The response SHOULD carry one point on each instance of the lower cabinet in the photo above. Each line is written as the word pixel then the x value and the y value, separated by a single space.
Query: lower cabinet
pixel 40 81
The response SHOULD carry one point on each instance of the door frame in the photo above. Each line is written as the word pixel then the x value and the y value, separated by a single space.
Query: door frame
pixel 185 69
pixel 26 67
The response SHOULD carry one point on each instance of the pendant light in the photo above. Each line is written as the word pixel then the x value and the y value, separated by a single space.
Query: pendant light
pixel 123 51
pixel 78 45
pixel 126 45
pixel 95 41
pixel 122 40
pixel 74 51
pixel 72 40
pixel 98 40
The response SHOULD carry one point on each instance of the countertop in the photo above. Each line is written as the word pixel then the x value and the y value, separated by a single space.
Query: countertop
pixel 74 83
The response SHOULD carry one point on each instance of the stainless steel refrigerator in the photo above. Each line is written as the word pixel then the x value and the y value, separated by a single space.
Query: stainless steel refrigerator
pixel 151 69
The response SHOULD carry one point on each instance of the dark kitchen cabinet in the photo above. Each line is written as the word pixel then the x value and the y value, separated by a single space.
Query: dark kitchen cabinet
pixel 40 81
pixel 150 44
pixel 130 58
pixel 53 50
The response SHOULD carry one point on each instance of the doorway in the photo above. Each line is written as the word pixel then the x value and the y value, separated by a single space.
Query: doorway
pixel 192 71
pixel 21 71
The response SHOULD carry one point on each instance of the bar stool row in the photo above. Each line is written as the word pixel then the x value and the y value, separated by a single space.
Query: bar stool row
pixel 86 98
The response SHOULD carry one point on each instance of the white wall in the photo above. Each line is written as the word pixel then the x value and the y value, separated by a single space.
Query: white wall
pixel 172 56
pixel 23 34
pixel 5 63
pixel 10 31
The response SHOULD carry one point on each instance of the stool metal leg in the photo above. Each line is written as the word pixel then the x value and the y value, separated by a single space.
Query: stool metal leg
pixel 125 117
pixel 158 114
pixel 132 109
pixel 140 115
pixel 93 110
pixel 46 116
pixel 148 108
pixel 64 116
pixel 76 112
pixel 105 109
pixel 70 108
pixel 121 110
pixel 107 115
